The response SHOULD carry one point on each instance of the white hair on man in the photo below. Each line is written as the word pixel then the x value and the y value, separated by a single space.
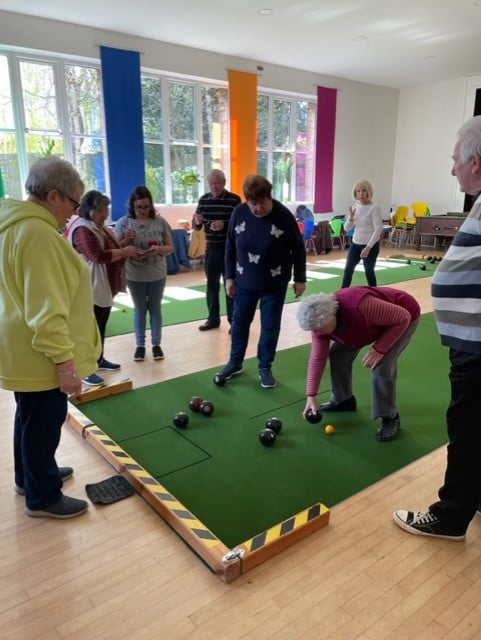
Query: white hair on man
pixel 469 136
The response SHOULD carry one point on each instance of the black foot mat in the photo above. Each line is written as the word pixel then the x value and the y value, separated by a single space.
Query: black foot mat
pixel 110 490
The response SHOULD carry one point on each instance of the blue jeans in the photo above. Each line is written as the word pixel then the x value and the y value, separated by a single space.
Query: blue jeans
pixel 271 303
pixel 147 297
pixel 353 259
pixel 38 422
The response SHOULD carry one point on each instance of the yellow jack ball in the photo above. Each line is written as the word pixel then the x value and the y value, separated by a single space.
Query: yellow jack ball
pixel 329 429
pixel 124 310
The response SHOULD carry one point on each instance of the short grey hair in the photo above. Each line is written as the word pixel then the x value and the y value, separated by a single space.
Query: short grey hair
pixel 50 173
pixel 317 310
pixel 216 173
pixel 470 139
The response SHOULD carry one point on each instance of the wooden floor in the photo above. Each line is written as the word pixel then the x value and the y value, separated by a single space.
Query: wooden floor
pixel 120 572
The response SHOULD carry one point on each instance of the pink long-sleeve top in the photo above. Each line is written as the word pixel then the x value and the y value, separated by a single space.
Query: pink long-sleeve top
pixel 366 315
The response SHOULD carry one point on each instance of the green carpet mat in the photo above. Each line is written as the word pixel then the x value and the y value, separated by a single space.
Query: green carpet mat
pixel 186 304
pixel 218 468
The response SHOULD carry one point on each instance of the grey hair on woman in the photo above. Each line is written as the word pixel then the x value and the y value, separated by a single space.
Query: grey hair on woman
pixel 317 310
pixel 50 173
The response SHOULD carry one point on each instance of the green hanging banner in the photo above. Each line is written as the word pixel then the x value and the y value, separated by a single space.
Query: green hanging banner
pixel 2 188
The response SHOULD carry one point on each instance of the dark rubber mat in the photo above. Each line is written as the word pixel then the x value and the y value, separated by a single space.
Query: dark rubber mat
pixel 108 491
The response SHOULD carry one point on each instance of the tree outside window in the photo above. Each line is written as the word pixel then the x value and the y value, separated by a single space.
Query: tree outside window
pixel 285 145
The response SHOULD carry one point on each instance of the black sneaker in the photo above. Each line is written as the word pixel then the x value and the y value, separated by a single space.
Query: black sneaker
pixel 65 474
pixel 66 507
pixel 267 379
pixel 139 354
pixel 345 405
pixel 228 371
pixel 425 523
pixel 157 353
pixel 389 428
pixel 105 365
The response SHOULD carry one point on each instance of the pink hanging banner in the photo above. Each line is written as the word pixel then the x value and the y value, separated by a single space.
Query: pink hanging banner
pixel 325 137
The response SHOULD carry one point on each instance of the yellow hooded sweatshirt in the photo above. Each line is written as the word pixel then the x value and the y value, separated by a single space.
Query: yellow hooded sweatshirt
pixel 46 306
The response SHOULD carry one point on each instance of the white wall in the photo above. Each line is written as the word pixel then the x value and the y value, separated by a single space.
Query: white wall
pixel 400 141
pixel 429 118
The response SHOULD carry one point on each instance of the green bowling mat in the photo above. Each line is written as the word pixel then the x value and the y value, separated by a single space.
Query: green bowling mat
pixel 186 304
pixel 236 486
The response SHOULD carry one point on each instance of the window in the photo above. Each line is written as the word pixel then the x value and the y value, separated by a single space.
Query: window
pixel 8 139
pixel 215 129
pixel 153 137
pixel 186 132
pixel 86 126
pixel 52 108
pixel 285 145
pixel 50 105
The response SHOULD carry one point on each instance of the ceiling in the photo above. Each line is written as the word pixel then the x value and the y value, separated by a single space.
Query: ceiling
pixel 393 43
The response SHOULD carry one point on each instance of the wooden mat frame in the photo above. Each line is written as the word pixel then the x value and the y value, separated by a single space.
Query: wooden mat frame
pixel 227 563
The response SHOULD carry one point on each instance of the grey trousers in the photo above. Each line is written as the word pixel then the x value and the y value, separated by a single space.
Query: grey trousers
pixel 384 376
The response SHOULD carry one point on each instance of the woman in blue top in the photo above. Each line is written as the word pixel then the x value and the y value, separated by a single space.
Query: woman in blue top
pixel 145 272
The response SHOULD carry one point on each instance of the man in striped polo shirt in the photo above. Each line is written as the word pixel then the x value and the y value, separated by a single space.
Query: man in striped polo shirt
pixel 213 214
pixel 456 295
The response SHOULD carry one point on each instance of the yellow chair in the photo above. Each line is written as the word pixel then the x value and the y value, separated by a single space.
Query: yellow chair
pixel 420 209
pixel 402 228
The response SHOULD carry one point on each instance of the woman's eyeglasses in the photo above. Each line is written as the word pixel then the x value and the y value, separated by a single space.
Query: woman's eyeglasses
pixel 76 204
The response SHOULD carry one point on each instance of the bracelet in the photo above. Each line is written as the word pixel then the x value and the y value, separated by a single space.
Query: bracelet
pixel 73 373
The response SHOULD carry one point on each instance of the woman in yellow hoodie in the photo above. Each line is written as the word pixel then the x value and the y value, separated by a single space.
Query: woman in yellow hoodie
pixel 50 339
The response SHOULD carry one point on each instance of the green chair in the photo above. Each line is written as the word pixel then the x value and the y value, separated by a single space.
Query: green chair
pixel 337 232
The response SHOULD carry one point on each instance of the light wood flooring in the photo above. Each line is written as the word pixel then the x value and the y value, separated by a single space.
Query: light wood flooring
pixel 119 572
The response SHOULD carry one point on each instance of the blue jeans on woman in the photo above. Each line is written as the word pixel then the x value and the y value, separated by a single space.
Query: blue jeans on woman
pixel 38 423
pixel 147 298
pixel 271 304
pixel 353 259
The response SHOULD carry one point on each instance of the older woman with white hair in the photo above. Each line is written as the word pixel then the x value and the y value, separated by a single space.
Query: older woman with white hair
pixel 50 337
pixel 343 322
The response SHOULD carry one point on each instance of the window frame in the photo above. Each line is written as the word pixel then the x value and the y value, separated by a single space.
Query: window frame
pixel 202 150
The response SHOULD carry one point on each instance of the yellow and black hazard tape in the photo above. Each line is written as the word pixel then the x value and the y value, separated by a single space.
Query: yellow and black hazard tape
pixel 152 485
pixel 281 529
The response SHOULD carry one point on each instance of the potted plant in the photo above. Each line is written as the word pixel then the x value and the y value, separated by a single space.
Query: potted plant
pixel 186 178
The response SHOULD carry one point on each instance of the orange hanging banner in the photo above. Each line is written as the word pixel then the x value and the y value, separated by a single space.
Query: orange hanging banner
pixel 243 127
